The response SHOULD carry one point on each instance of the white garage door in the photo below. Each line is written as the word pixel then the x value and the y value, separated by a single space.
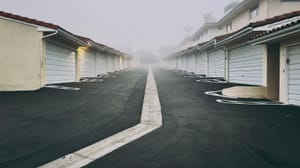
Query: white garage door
pixel 201 64
pixel 110 63
pixel 216 63
pixel 246 65
pixel 191 63
pixel 184 63
pixel 179 63
pixel 88 65
pixel 293 53
pixel 60 64
pixel 116 63
pixel 101 61
pixel 173 63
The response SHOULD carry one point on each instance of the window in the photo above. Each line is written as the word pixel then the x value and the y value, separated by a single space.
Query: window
pixel 253 12
pixel 229 27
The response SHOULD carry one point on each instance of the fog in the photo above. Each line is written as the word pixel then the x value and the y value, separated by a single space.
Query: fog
pixel 133 26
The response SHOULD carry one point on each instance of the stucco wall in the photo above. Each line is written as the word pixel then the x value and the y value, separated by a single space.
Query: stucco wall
pixel 277 7
pixel 20 56
pixel 242 19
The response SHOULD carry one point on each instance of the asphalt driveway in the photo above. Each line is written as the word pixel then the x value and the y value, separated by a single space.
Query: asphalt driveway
pixel 199 132
pixel 41 126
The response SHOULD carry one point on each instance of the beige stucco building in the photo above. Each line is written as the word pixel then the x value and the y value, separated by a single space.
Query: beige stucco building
pixel 35 53
pixel 233 56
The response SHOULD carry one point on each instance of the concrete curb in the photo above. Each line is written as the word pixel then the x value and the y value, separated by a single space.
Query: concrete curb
pixel 151 119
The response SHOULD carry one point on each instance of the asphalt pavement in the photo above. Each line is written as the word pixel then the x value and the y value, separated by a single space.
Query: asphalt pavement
pixel 40 126
pixel 198 132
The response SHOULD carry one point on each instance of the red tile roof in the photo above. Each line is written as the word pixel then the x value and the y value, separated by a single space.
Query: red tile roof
pixel 274 19
pixel 29 20
pixel 49 25
pixel 254 25
pixel 261 23
pixel 275 30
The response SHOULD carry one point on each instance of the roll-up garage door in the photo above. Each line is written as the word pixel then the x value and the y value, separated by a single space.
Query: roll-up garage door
pixel 173 63
pixel 110 63
pixel 60 64
pixel 185 63
pixel 246 65
pixel 179 63
pixel 101 64
pixel 293 54
pixel 88 64
pixel 216 63
pixel 201 64
pixel 116 63
pixel 191 63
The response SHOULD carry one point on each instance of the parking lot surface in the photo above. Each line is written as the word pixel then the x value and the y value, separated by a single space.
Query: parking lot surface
pixel 40 126
pixel 199 132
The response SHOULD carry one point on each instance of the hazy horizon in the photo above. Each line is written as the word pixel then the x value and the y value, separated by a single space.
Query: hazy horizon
pixel 129 25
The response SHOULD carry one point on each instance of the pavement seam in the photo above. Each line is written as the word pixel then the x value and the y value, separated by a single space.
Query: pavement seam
pixel 151 119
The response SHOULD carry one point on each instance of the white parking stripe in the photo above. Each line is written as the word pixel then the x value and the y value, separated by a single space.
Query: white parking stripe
pixel 251 103
pixel 61 87
pixel 151 119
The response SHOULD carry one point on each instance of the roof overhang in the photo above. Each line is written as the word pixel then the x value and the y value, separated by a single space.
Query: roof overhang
pixel 71 37
pixel 276 36
pixel 237 36
pixel 237 10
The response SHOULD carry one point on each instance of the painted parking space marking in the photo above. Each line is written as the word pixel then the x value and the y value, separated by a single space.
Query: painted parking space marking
pixel 151 119
pixel 251 103
pixel 217 93
pixel 61 87
pixel 205 80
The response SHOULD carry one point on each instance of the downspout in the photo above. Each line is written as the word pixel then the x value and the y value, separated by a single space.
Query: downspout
pixel 41 57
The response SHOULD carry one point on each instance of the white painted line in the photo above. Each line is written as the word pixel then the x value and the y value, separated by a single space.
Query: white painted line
pixel 205 80
pixel 251 103
pixel 151 119
pixel 61 87
pixel 216 94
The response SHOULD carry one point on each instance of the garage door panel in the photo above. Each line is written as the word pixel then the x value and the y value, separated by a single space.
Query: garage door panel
pixel 88 64
pixel 293 53
pixel 110 64
pixel 216 63
pixel 246 64
pixel 102 64
pixel 60 64
pixel 190 63
pixel 238 59
pixel 200 64
pixel 294 89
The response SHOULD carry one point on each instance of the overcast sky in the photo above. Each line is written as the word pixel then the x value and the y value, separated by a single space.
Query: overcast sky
pixel 123 24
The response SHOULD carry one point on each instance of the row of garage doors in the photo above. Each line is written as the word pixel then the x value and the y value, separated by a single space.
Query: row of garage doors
pixel 245 65
pixel 61 64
